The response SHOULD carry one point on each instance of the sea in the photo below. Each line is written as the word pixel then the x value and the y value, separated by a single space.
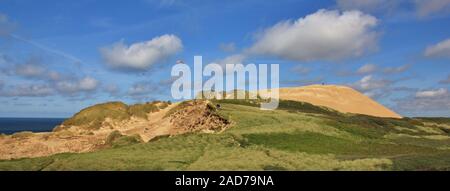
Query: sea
pixel 12 125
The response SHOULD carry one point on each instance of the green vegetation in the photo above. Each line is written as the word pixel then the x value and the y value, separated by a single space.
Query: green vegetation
pixel 112 137
pixel 116 139
pixel 141 110
pixel 297 136
pixel 440 120
pixel 93 117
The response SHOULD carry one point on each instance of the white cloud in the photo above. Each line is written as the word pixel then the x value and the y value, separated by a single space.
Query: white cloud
pixel 369 83
pixel 395 70
pixel 233 59
pixel 324 35
pixel 86 84
pixel 141 55
pixel 29 90
pixel 366 69
pixel 144 89
pixel 418 8
pixel 30 70
pixel 67 86
pixel 139 89
pixel 377 88
pixel 432 102
pixel 112 89
pixel 35 69
pixel 374 69
pixel 431 93
pixel 430 7
pixel 44 81
pixel 54 76
pixel 441 49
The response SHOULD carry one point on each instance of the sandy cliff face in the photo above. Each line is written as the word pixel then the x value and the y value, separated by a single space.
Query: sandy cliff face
pixel 75 137
pixel 340 98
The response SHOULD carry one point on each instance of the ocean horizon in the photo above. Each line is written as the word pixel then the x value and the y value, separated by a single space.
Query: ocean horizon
pixel 11 125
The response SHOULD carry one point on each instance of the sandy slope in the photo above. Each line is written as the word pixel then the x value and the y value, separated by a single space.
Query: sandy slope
pixel 155 125
pixel 341 98
pixel 77 140
pixel 193 117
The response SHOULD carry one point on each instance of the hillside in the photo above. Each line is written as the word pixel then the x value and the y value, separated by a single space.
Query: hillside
pixel 340 98
pixel 97 127
pixel 297 136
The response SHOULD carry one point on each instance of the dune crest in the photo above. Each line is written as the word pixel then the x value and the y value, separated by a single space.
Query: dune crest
pixel 340 98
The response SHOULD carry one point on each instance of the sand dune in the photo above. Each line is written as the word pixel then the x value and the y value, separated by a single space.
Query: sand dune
pixel 194 116
pixel 341 98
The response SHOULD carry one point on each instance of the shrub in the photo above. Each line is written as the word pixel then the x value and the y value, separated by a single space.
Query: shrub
pixel 112 137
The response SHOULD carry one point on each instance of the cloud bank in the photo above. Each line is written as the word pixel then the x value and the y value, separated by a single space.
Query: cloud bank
pixel 419 8
pixel 42 81
pixel 441 49
pixel 324 35
pixel 431 93
pixel 428 101
pixel 367 69
pixel 141 55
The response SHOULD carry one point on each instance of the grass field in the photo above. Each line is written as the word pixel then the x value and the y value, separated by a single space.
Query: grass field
pixel 297 136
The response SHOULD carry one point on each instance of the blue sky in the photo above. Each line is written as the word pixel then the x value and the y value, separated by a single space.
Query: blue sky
pixel 57 57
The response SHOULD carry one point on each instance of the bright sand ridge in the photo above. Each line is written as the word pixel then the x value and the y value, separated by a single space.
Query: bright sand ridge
pixel 340 98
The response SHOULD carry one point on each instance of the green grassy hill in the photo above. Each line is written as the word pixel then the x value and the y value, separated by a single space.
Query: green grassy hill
pixel 297 136
pixel 92 117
